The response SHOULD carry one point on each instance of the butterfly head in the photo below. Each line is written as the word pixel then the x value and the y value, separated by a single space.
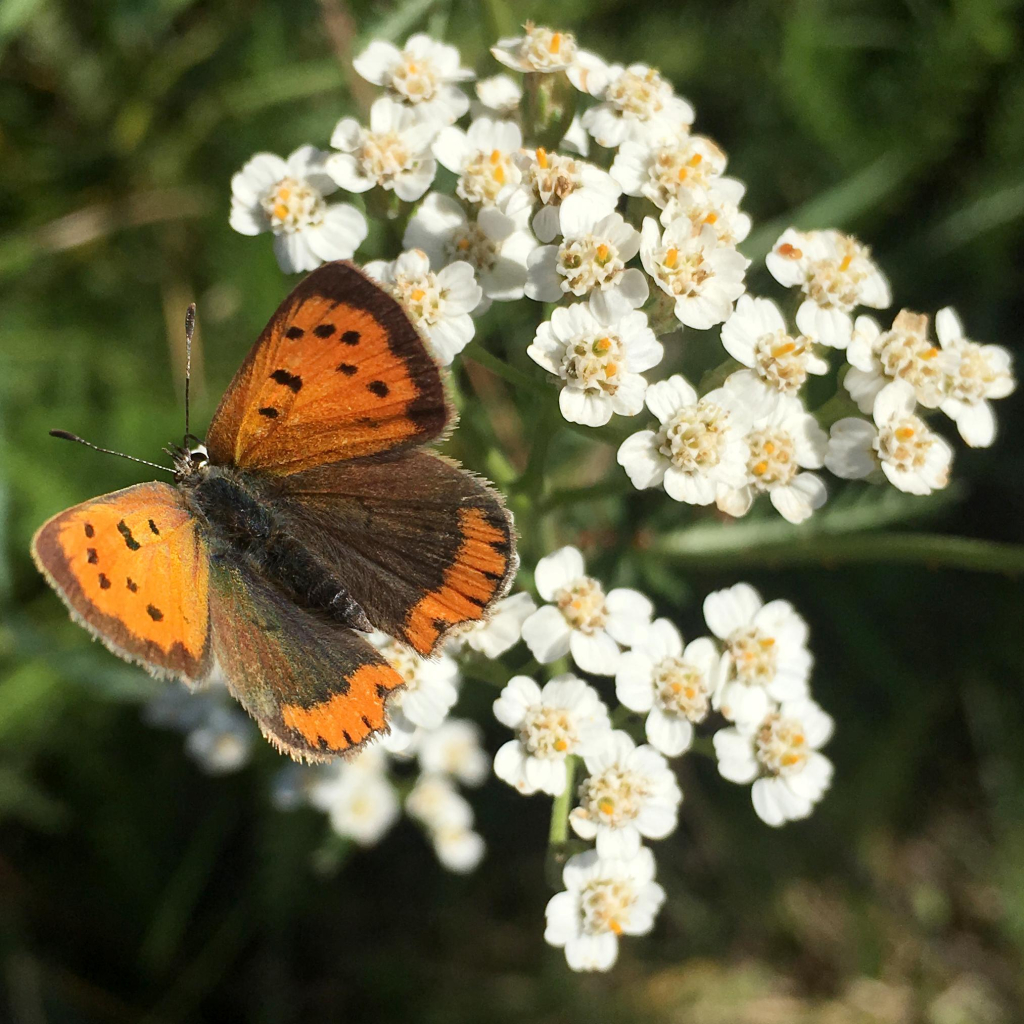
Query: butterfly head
pixel 189 461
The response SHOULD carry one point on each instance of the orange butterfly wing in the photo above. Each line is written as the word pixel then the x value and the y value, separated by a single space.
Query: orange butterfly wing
pixel 132 567
pixel 338 373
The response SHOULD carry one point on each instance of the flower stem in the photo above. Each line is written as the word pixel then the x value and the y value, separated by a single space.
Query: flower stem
pixel 558 833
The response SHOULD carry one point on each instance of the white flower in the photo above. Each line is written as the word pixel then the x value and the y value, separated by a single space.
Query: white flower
pixel 699 447
pixel 766 658
pixel 583 619
pixel 603 899
pixel 716 205
pixel 781 757
pixel 498 95
pixel 438 304
pixel 223 743
pixel 672 684
pixel 703 277
pixel 836 273
pixel 638 105
pixel 977 373
pixel 454 749
pixel 394 152
pixel 546 51
pixel 593 254
pixel 357 796
pixel 756 336
pixel 912 457
pixel 430 688
pixel 448 819
pixel 662 171
pixel 629 792
pixel 286 197
pixel 500 631
pixel 566 717
pixel 599 350
pixel 483 158
pixel 554 180
pixel 783 439
pixel 421 74
pixel 904 352
pixel 495 245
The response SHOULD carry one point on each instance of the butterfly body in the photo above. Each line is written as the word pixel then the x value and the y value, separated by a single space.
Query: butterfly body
pixel 313 514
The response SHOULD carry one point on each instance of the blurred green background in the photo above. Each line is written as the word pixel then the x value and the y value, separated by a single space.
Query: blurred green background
pixel 135 888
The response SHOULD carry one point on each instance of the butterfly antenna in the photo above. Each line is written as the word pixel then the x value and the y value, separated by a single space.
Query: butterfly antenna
pixel 65 435
pixel 190 327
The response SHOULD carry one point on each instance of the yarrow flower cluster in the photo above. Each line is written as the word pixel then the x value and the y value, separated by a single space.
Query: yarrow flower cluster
pixel 578 189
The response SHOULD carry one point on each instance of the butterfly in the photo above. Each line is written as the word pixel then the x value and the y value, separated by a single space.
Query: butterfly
pixel 314 513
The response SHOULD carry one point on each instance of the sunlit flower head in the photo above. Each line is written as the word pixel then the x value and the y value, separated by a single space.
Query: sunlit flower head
pixel 539 49
pixel 836 274
pixel 911 455
pixel 699 446
pixel 765 659
pixel 630 793
pixel 781 756
pixel 704 277
pixel 286 197
pixel 438 304
pixel 756 335
pixel 904 352
pixel 671 684
pixel 784 441
pixel 494 244
pixel 582 619
pixel 599 350
pixel 663 170
pixel 484 159
pixel 564 718
pixel 555 179
pixel 392 153
pixel 977 374
pixel 638 105
pixel 715 206
pixel 602 900
pixel 497 97
pixel 422 74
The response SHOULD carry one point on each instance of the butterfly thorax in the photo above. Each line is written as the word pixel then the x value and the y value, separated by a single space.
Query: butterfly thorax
pixel 235 510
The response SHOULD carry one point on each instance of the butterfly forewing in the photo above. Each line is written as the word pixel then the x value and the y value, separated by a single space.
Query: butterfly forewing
pixel 338 373
pixel 134 569
pixel 422 545
pixel 315 688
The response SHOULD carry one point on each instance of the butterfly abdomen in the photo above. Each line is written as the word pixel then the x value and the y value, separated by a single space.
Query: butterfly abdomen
pixel 241 524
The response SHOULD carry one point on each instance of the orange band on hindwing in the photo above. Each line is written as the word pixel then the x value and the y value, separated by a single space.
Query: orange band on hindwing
pixel 477 574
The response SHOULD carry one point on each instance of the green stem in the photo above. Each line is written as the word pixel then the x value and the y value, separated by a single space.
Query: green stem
pixel 558 834
pixel 936 551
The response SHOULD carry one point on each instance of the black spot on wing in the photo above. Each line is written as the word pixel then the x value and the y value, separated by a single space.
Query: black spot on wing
pixel 382 690
pixel 324 330
pixel 89 530
pixel 152 526
pixel 348 739
pixel 367 723
pixel 154 613
pixel 348 369
pixel 379 388
pixel 132 585
pixel 350 337
pixel 294 333
pixel 129 541
pixel 104 582
pixel 289 380
pixel 91 556
pixel 269 411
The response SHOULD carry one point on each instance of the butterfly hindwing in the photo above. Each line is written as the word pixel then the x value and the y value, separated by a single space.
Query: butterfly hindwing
pixel 422 545
pixel 132 567
pixel 339 373
pixel 315 688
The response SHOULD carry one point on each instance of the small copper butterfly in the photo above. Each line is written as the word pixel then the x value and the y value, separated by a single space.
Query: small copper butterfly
pixel 314 513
